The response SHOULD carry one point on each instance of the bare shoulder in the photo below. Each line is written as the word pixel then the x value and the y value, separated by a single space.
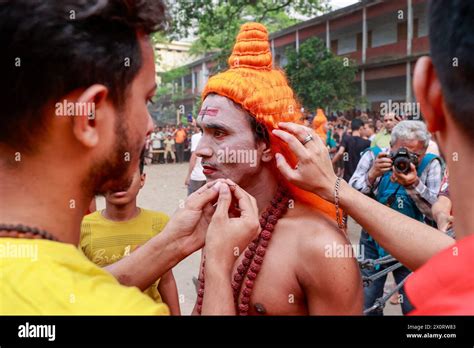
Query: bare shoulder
pixel 315 231
pixel 318 240
pixel 331 281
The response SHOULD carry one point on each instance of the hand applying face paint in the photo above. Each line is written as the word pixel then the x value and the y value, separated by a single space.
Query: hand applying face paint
pixel 227 234
pixel 189 224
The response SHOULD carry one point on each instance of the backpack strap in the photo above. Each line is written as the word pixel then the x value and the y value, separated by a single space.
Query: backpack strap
pixel 429 157
pixel 376 150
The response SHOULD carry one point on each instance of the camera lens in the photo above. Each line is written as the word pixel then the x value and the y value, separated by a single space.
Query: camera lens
pixel 402 165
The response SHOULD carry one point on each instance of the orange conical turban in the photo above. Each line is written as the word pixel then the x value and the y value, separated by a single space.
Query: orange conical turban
pixel 264 92
pixel 318 124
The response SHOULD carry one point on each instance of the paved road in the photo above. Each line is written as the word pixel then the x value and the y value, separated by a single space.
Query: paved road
pixel 164 190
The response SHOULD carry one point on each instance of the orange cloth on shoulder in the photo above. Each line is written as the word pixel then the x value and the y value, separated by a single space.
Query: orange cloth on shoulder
pixel 253 83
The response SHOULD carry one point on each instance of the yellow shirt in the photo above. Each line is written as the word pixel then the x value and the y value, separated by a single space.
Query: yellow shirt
pixel 105 241
pixel 41 277
pixel 381 139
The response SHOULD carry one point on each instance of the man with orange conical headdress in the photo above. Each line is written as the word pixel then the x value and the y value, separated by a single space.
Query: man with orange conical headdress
pixel 295 266
pixel 319 123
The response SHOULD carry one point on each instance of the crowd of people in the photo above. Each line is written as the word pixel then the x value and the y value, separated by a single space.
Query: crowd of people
pixel 168 143
pixel 395 162
pixel 268 206
pixel 363 147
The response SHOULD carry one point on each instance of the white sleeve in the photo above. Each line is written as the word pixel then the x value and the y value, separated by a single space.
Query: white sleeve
pixel 194 142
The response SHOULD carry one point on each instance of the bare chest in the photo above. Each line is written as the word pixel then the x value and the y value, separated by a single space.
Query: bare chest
pixel 275 289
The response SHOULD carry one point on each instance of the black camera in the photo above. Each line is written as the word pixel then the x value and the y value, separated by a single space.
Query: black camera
pixel 402 159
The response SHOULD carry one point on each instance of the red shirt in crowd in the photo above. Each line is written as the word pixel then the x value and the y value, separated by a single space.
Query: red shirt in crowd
pixel 445 284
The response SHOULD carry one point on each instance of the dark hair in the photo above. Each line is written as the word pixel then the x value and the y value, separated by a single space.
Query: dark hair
pixel 259 130
pixel 452 41
pixel 356 123
pixel 54 47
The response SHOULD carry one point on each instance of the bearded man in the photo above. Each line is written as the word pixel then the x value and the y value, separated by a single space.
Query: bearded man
pixel 53 161
pixel 292 268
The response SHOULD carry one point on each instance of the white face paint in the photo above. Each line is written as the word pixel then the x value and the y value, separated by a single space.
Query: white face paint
pixel 227 147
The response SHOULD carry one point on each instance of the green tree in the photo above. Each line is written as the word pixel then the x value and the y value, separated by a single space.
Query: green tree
pixel 215 23
pixel 174 74
pixel 320 78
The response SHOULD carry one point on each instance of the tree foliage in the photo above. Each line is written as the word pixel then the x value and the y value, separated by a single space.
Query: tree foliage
pixel 320 78
pixel 174 74
pixel 215 23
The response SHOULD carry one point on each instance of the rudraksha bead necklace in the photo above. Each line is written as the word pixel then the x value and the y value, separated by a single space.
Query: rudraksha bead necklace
pixel 243 279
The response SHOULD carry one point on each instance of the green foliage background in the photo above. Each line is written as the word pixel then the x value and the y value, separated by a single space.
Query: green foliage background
pixel 320 78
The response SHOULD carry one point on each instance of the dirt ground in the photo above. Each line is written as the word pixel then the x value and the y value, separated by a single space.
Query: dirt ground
pixel 164 189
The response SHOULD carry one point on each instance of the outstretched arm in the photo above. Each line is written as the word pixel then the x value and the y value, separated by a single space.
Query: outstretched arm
pixel 338 154
pixel 442 213
pixel 169 292
pixel 182 235
pixel 410 241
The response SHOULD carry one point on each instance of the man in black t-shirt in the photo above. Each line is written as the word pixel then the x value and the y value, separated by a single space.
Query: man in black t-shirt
pixel 351 148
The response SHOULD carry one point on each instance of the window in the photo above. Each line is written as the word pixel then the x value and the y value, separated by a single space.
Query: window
pixel 402 30
pixel 359 40
pixel 277 60
pixel 334 46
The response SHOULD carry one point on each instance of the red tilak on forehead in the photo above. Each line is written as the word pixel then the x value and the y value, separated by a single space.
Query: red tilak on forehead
pixel 209 112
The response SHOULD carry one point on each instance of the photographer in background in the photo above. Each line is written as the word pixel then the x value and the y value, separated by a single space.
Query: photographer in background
pixel 408 180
